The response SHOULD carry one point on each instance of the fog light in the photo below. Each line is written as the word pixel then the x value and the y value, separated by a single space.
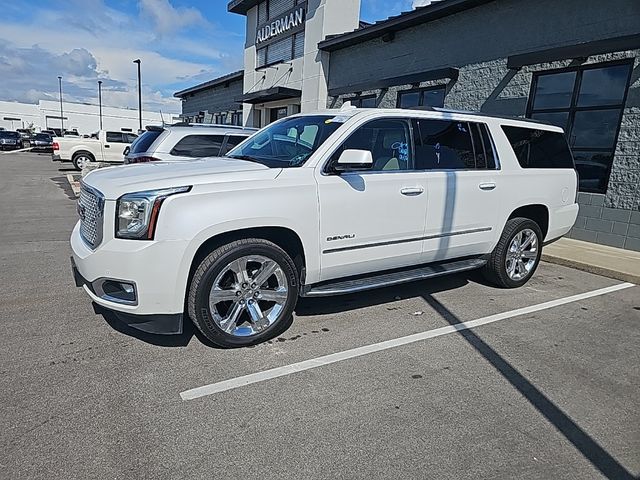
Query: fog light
pixel 117 291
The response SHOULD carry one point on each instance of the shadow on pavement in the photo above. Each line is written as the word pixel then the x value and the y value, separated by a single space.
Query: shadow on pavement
pixel 63 184
pixel 587 446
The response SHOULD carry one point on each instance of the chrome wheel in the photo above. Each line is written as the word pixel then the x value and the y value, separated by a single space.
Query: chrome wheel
pixel 248 295
pixel 82 161
pixel 522 255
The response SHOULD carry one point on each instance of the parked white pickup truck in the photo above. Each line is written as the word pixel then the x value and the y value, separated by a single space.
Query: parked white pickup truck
pixel 103 146
pixel 321 204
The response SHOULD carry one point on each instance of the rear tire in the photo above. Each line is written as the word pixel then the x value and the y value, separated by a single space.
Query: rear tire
pixel 243 293
pixel 517 254
pixel 81 159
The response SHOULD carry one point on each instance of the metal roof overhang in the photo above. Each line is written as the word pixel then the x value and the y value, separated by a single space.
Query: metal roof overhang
pixel 438 74
pixel 400 22
pixel 580 50
pixel 241 7
pixel 269 95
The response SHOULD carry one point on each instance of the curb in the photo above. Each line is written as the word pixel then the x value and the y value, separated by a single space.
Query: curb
pixel 586 267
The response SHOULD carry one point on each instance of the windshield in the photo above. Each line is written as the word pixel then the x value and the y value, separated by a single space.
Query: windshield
pixel 288 143
pixel 5 134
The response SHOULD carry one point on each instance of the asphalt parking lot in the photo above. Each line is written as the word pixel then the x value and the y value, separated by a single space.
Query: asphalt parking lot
pixel 548 392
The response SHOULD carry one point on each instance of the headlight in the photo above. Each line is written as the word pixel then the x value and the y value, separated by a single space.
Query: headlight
pixel 137 213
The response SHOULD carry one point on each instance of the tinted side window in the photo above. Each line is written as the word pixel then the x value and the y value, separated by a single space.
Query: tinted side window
pixel 144 141
pixel 444 144
pixel 114 137
pixel 232 142
pixel 482 146
pixel 388 141
pixel 198 146
pixel 539 148
pixel 129 137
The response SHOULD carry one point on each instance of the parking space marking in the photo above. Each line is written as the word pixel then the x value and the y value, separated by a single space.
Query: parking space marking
pixel 258 377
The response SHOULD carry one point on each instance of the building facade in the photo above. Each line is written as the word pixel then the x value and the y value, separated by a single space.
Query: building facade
pixel 284 71
pixel 574 63
pixel 214 101
pixel 82 117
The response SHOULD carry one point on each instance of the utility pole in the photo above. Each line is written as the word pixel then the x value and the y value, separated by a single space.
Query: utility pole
pixel 61 113
pixel 138 61
pixel 100 100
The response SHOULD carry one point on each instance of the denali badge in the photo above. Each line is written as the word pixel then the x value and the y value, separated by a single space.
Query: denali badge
pixel 341 237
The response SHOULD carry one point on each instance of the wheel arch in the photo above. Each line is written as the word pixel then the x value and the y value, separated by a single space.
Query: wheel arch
pixel 86 152
pixel 284 237
pixel 537 212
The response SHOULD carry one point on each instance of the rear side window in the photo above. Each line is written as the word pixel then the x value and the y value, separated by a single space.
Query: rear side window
pixel 539 148
pixel 232 142
pixel 198 146
pixel 144 141
pixel 452 145
pixel 129 137
pixel 114 137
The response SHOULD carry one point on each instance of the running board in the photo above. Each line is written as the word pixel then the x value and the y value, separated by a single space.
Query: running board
pixel 378 280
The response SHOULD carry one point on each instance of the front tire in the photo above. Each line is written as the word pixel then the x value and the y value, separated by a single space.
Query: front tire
pixel 517 254
pixel 243 293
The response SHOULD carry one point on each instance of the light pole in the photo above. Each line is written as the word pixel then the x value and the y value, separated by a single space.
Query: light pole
pixel 61 113
pixel 138 61
pixel 100 100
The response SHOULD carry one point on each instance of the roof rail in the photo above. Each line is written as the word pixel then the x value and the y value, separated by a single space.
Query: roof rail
pixel 216 125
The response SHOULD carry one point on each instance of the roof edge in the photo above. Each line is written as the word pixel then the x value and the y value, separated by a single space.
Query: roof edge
pixel 412 18
pixel 210 83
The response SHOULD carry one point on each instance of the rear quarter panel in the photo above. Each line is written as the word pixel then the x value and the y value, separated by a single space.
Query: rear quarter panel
pixel 555 188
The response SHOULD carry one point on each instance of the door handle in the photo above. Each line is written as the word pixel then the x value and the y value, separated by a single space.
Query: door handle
pixel 107 146
pixel 411 191
pixel 487 186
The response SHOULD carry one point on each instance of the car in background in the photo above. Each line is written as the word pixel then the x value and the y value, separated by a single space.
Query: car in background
pixel 10 140
pixel 104 146
pixel 41 142
pixel 185 141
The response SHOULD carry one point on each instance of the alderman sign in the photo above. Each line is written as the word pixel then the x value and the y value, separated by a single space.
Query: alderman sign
pixel 281 25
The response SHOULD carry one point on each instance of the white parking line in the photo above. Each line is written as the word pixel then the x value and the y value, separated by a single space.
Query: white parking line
pixel 377 347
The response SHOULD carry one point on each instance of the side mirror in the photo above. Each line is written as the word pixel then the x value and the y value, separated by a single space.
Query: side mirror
pixel 126 151
pixel 354 160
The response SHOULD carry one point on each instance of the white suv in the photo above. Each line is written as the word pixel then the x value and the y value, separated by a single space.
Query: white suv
pixel 321 204
pixel 185 141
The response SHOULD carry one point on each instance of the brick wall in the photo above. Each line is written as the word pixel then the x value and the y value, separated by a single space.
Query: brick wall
pixel 608 226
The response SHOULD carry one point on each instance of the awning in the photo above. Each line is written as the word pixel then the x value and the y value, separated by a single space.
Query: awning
pixel 269 95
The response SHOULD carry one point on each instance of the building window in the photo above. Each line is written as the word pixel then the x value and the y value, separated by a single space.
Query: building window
pixel 368 101
pixel 282 50
pixel 422 97
pixel 587 102
pixel 236 118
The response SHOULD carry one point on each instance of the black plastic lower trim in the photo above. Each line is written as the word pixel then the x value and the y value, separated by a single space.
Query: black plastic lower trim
pixel 160 324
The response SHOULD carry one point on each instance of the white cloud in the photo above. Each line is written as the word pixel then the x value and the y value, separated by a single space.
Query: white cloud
pixel 86 41
pixel 422 3
pixel 168 19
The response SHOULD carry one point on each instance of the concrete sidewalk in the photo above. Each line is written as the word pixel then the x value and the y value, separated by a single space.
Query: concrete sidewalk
pixel 590 257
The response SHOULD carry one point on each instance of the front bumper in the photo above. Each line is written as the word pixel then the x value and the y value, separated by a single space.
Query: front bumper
pixel 151 267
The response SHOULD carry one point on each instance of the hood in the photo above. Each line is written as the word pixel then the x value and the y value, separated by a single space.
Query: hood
pixel 113 182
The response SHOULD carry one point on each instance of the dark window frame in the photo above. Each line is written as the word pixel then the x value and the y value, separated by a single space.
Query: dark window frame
pixel 573 108
pixel 421 91
pixel 357 100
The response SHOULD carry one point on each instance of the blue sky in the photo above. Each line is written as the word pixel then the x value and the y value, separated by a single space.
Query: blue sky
pixel 180 43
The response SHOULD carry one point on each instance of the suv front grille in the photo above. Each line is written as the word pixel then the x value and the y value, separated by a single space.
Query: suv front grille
pixel 90 210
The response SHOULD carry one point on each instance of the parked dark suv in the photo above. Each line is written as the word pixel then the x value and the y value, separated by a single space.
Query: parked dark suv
pixel 10 140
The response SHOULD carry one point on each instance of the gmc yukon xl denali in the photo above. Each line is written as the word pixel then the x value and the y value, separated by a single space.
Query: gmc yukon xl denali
pixel 321 204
